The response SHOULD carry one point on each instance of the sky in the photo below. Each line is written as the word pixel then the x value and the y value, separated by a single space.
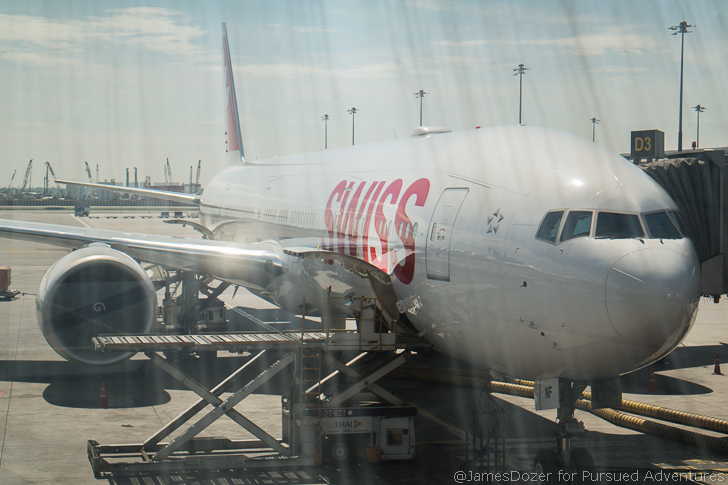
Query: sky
pixel 126 84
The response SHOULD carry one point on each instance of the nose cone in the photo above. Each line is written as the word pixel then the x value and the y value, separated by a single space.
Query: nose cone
pixel 652 296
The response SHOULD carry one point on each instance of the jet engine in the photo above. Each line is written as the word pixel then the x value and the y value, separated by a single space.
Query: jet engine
pixel 94 290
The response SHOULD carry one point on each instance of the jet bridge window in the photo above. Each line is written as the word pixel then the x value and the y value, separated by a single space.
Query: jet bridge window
pixel 618 226
pixel 661 227
pixel 550 226
pixel 578 224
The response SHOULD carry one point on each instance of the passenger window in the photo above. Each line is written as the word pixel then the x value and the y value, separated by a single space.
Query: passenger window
pixel 616 225
pixel 661 227
pixel 578 224
pixel 550 226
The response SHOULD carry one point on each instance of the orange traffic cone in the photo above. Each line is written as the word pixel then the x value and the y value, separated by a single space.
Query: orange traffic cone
pixel 653 385
pixel 103 402
pixel 716 371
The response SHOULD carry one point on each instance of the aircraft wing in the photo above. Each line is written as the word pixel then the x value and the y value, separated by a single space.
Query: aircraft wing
pixel 250 265
pixel 156 194
pixel 253 266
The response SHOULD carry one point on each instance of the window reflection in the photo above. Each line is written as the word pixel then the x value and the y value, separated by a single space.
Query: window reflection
pixel 578 224
pixel 617 225
pixel 550 226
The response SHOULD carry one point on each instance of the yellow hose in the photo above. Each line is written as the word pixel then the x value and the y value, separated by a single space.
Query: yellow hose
pixel 479 379
pixel 659 429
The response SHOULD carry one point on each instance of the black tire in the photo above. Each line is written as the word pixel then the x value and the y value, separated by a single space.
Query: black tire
pixel 546 465
pixel 582 461
pixel 337 450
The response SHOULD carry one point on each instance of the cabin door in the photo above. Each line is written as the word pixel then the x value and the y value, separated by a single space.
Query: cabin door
pixel 440 233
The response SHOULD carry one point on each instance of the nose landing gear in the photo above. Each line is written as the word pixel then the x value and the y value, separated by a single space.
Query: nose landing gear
pixel 565 464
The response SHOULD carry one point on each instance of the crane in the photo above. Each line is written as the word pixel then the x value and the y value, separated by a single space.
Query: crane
pixel 166 178
pixel 46 181
pixel 26 179
pixel 12 178
pixel 191 179
pixel 94 193
pixel 50 169
pixel 169 172
pixel 136 182
pixel 88 172
pixel 197 180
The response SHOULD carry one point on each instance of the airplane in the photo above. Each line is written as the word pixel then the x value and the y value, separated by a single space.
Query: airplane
pixel 527 251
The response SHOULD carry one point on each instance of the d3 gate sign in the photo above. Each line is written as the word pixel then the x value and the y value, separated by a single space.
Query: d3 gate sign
pixel 648 144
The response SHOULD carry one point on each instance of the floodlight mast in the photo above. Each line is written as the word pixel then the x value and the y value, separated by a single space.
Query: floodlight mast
pixel 326 130
pixel 519 71
pixel 699 109
pixel 420 94
pixel 352 112
pixel 681 29
pixel 594 122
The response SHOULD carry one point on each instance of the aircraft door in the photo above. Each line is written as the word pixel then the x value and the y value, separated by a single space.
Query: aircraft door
pixel 440 233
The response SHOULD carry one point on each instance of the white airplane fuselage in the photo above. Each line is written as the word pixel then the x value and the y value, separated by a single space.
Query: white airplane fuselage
pixel 453 219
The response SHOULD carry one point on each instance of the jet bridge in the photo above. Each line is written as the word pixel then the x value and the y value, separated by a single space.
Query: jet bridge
pixel 322 413
pixel 697 181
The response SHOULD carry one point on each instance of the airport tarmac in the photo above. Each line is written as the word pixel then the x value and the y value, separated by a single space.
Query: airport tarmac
pixel 49 408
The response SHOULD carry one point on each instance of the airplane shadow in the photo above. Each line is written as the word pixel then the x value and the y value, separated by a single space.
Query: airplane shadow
pixel 691 357
pixel 132 384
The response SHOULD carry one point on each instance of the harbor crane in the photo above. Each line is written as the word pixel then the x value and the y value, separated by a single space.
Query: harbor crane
pixel 88 173
pixel 169 172
pixel 46 180
pixel 12 178
pixel 26 179
pixel 90 178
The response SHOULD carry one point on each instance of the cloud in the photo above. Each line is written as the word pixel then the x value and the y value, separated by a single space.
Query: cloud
pixel 296 71
pixel 619 69
pixel 312 30
pixel 616 40
pixel 40 40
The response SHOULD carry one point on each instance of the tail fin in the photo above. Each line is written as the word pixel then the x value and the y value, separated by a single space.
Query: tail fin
pixel 232 121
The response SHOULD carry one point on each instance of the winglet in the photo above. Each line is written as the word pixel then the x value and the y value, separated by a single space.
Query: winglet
pixel 233 139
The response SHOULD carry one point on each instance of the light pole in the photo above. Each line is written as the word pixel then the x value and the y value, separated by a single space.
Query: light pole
pixel 326 131
pixel 595 122
pixel 699 109
pixel 420 94
pixel 352 111
pixel 519 71
pixel 681 29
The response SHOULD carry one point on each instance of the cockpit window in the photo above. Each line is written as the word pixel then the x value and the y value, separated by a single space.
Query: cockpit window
pixel 616 225
pixel 661 227
pixel 578 224
pixel 550 226
pixel 679 222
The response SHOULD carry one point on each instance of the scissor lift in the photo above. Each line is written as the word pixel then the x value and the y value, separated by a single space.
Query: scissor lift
pixel 313 391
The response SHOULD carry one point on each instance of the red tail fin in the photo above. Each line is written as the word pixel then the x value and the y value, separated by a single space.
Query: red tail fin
pixel 233 140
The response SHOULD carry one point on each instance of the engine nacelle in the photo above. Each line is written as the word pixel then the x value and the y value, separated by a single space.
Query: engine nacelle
pixel 94 290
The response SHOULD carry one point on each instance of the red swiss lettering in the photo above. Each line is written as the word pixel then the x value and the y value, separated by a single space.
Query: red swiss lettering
pixel 380 225
pixel 420 189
